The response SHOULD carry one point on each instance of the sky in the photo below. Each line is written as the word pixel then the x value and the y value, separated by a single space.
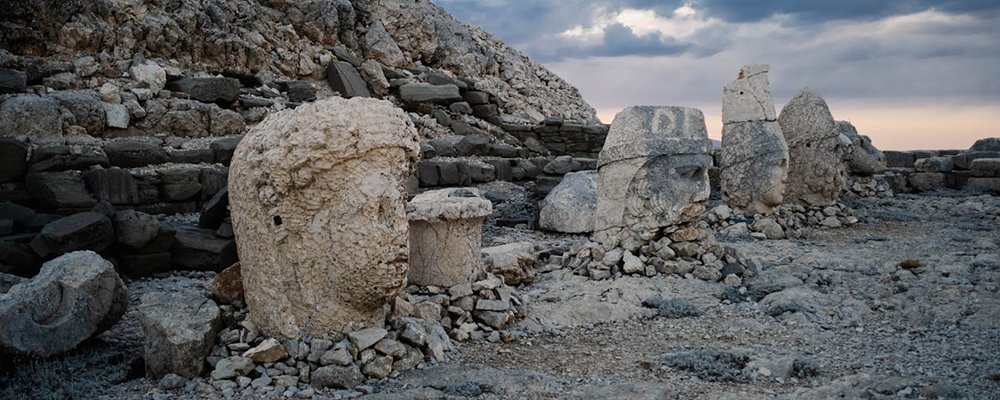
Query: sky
pixel 911 74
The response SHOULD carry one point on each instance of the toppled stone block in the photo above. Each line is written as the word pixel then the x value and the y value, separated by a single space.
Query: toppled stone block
pixel 179 330
pixel 200 249
pixel 14 154
pixel 134 153
pixel 345 79
pixel 208 89
pixel 933 164
pixel 73 298
pixel 428 93
pixel 34 117
pixel 748 98
pixel 222 149
pixel 864 158
pixel 82 231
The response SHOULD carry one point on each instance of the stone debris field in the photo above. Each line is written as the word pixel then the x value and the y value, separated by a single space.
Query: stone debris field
pixel 373 200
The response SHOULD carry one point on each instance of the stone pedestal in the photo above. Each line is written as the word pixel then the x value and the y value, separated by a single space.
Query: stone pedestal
pixel 319 211
pixel 445 235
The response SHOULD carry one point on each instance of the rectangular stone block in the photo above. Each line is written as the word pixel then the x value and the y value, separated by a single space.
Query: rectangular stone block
pixel 991 185
pixel 899 159
pixel 925 181
pixel 964 160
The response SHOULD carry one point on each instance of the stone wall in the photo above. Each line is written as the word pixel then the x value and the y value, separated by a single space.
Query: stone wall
pixel 927 170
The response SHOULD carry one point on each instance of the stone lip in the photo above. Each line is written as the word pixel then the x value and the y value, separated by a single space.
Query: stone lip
pixel 449 204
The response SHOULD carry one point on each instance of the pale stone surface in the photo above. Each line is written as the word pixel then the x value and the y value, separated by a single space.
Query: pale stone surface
pixel 864 158
pixel 748 98
pixel 753 162
pixel 74 297
pixel 179 330
pixel 445 235
pixel 149 75
pixel 512 261
pixel 571 205
pixel 653 169
pixel 817 171
pixel 319 210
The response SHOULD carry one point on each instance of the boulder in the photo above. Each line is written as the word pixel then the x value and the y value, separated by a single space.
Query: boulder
pixel 512 262
pixel 12 81
pixel 73 298
pixel 208 89
pixel 36 118
pixel 135 229
pixel 222 149
pixel 14 154
pixel 227 286
pixel 318 203
pixel 986 144
pixel 428 93
pixel 864 159
pixel 81 231
pixel 345 79
pixel 134 153
pixel 86 110
pixel 445 235
pixel 653 170
pixel 179 329
pixel 816 172
pixel 571 206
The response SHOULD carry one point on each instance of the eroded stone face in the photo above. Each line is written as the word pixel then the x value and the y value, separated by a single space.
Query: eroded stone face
pixel 319 211
pixel 817 152
pixel 863 158
pixel 754 158
pixel 653 170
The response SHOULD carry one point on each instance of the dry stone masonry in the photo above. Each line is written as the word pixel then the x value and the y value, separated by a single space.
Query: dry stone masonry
pixel 319 213
pixel 754 156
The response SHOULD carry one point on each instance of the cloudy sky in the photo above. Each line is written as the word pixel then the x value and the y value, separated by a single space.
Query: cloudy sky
pixel 912 74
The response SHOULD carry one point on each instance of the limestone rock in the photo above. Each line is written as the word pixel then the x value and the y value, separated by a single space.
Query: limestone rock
pixel 134 229
pixel 208 89
pixel 748 98
pixel 74 297
pixel 571 206
pixel 864 159
pixel 227 287
pixel 445 235
pixel 816 172
pixel 753 162
pixel 149 75
pixel 986 144
pixel 81 231
pixel 268 351
pixel 512 261
pixel 346 80
pixel 35 118
pixel 317 199
pixel 179 329
pixel 425 92
pixel 653 169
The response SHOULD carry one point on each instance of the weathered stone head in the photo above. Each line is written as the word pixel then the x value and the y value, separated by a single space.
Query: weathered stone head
pixel 754 156
pixel 817 170
pixel 653 170
pixel 864 158
pixel 319 211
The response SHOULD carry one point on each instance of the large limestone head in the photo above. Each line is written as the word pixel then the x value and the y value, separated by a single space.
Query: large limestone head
pixel 319 210
pixel 653 169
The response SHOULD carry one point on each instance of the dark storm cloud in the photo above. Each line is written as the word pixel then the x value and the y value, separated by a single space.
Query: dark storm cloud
pixel 813 11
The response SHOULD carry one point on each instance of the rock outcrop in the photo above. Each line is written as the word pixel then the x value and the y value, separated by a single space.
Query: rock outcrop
pixel 817 171
pixel 74 297
pixel 754 156
pixel 319 210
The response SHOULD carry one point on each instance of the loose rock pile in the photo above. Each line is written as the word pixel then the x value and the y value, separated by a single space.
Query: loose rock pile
pixel 786 221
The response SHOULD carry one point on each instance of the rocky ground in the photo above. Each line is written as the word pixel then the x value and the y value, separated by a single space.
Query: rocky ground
pixel 904 304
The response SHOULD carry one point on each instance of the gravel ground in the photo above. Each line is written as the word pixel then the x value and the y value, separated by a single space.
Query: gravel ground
pixel 903 305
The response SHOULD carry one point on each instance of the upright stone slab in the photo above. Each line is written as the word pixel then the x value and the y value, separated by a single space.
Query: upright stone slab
pixel 74 297
pixel 817 171
pixel 653 170
pixel 319 211
pixel 754 157
pixel 446 235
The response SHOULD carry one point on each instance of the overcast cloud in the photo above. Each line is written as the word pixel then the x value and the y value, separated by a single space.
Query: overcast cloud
pixel 861 55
